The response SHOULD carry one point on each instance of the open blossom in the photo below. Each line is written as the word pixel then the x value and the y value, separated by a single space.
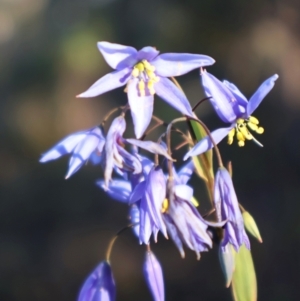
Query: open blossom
pixel 184 222
pixel 227 208
pixel 145 72
pixel 82 145
pixel 232 107
pixel 100 285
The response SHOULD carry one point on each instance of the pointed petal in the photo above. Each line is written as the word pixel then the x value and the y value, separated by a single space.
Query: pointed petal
pixel 147 53
pixel 138 192
pixel 186 172
pixel 83 150
pixel 141 108
pixel 222 99
pixel 172 230
pixel 107 82
pixel 260 93
pixel 118 190
pixel 154 277
pixel 173 96
pixel 205 144
pixel 100 285
pixel 65 146
pixel 151 147
pixel 117 56
pixel 175 64
pixel 184 192
pixel 227 263
pixel 241 99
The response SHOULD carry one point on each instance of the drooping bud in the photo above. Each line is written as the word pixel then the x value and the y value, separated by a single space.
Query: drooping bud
pixel 154 277
pixel 226 257
pixel 251 226
pixel 100 285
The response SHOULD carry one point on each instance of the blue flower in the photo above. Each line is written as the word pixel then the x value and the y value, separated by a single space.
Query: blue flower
pixel 227 208
pixel 154 277
pixel 232 107
pixel 100 285
pixel 150 195
pixel 183 221
pixel 145 72
pixel 83 145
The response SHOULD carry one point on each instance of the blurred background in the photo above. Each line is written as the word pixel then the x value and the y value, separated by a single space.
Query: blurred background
pixel 53 232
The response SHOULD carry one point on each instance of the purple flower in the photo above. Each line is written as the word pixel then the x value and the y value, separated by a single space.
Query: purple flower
pixel 154 277
pixel 227 208
pixel 183 221
pixel 151 194
pixel 115 155
pixel 100 285
pixel 232 107
pixel 82 145
pixel 145 72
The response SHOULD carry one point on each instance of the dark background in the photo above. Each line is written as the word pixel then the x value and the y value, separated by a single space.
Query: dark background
pixel 53 232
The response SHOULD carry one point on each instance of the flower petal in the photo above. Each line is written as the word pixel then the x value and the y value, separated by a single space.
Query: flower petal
pixel 117 56
pixel 154 277
pixel 83 150
pixel 141 108
pixel 175 64
pixel 151 147
pixel 260 93
pixel 65 146
pixel 173 96
pixel 138 192
pixel 100 285
pixel 222 99
pixel 186 172
pixel 184 192
pixel 241 99
pixel 205 144
pixel 147 53
pixel 118 190
pixel 107 82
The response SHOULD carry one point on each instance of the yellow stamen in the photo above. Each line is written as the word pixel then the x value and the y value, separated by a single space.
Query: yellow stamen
pixel 253 120
pixel 260 130
pixel 140 67
pixel 142 87
pixel 135 72
pixel 245 132
pixel 165 205
pixel 252 126
pixel 241 143
pixel 230 136
pixel 194 201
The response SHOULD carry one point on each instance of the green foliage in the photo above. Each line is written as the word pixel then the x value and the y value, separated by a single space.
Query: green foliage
pixel 244 286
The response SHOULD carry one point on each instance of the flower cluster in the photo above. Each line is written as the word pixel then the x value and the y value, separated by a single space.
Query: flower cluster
pixel 159 197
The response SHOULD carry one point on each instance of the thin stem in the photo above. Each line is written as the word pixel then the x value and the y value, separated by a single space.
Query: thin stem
pixel 199 103
pixel 182 144
pixel 168 138
pixel 216 149
pixel 176 83
pixel 111 243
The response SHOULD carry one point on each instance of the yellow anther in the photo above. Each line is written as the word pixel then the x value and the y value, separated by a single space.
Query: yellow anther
pixel 240 136
pixel 165 206
pixel 229 140
pixel 142 87
pixel 150 73
pixel 231 133
pixel 253 120
pixel 140 67
pixel 241 143
pixel 252 126
pixel 260 130
pixel 240 121
pixel 135 72
pixel 150 86
pixel 194 201
pixel 245 133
